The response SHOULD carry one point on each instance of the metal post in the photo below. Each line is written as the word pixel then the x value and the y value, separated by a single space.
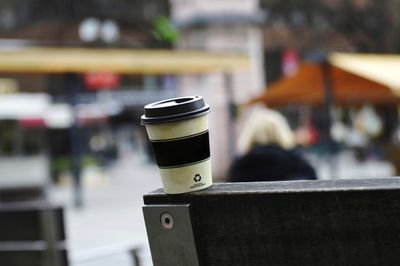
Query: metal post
pixel 51 236
pixel 18 140
pixel 135 257
pixel 328 105
pixel 72 85
pixel 1 139
pixel 232 114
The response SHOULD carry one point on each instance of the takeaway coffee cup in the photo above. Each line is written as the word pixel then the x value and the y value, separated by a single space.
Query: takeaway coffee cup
pixel 178 131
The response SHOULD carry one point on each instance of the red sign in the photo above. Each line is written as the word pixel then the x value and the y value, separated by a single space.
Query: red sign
pixel 32 122
pixel 101 81
pixel 290 62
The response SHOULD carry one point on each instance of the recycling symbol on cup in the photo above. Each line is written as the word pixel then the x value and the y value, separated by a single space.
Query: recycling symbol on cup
pixel 197 178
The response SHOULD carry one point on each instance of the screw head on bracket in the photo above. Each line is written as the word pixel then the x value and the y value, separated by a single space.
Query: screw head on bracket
pixel 167 221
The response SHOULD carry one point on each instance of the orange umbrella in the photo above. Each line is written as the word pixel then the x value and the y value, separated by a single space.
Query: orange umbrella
pixel 307 87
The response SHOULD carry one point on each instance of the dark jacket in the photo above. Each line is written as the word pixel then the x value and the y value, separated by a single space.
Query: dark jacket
pixel 270 163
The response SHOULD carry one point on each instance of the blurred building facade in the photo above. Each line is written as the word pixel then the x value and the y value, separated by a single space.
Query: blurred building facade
pixel 360 25
pixel 222 26
pixel 58 22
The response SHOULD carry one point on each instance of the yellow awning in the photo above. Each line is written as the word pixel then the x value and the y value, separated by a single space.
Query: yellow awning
pixel 383 69
pixel 124 61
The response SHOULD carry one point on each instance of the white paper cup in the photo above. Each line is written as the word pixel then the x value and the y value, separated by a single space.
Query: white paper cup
pixel 178 131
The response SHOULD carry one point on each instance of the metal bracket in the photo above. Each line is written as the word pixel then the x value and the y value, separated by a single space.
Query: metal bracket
pixel 170 234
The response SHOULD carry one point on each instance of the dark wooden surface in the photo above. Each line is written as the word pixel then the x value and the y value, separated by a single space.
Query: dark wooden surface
pixel 343 222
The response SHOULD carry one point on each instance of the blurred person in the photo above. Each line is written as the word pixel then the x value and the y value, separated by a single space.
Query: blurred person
pixel 306 133
pixel 366 125
pixel 267 148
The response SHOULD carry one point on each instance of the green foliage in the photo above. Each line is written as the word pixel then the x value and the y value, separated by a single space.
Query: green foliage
pixel 164 30
pixel 62 164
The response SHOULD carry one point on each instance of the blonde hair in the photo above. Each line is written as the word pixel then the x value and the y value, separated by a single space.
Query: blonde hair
pixel 265 126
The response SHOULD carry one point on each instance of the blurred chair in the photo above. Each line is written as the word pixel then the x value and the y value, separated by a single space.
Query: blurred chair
pixel 32 234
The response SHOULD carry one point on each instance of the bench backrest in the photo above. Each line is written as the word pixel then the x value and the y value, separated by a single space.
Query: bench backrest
pixel 342 222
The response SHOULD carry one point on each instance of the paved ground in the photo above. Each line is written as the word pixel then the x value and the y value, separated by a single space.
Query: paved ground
pixel 112 217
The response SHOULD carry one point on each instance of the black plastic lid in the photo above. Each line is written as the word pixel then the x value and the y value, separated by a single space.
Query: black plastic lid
pixel 174 109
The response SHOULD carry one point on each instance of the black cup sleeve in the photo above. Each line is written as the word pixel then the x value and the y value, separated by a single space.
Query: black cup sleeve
pixel 183 151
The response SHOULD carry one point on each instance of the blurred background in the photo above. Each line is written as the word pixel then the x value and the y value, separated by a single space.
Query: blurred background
pixel 75 75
